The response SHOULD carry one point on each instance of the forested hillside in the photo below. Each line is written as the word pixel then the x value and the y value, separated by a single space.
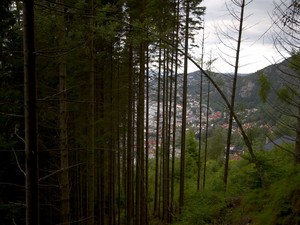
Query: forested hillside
pixel 248 84
pixel 101 123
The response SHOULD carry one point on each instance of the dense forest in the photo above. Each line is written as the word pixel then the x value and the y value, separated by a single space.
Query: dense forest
pixel 80 80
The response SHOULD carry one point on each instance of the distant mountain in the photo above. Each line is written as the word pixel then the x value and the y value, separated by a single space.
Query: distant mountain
pixel 247 93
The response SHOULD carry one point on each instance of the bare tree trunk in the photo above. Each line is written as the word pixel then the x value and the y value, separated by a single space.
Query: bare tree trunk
pixel 163 134
pixel 101 153
pixel 140 155
pixel 184 100
pixel 239 41
pixel 129 192
pixel 63 123
pixel 200 121
pixel 156 201
pixel 174 139
pixel 165 144
pixel 91 127
pixel 206 138
pixel 118 139
pixel 30 97
pixel 147 137
pixel 140 167
pixel 169 136
pixel 64 148
pixel 176 41
pixel 112 132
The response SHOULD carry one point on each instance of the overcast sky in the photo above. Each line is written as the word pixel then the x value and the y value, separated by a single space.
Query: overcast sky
pixel 257 47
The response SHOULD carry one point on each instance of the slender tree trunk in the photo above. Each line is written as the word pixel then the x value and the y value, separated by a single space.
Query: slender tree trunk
pixel 140 167
pixel 174 139
pixel 147 136
pixel 169 137
pixel 91 127
pixel 200 121
pixel 184 100
pixel 129 192
pixel 99 131
pixel 140 150
pixel 176 41
pixel 77 207
pixel 65 192
pixel 239 41
pixel 206 137
pixel 156 182
pixel 112 132
pixel 166 141
pixel 63 123
pixel 30 97
pixel 124 173
pixel 118 139
pixel 163 134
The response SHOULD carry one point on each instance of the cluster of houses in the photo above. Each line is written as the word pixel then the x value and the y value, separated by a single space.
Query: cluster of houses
pixel 214 118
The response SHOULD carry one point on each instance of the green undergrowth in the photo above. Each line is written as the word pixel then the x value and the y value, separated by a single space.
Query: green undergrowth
pixel 246 199
pixel 278 204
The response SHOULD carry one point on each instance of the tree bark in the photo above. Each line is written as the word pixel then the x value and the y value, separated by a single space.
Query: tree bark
pixel 184 100
pixel 65 192
pixel 129 175
pixel 147 137
pixel 140 167
pixel 91 121
pixel 200 120
pixel 156 182
pixel 206 138
pixel 166 141
pixel 30 98
pixel 176 42
pixel 236 67
pixel 63 123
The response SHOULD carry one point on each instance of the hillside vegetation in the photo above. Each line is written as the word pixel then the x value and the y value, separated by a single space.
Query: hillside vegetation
pixel 246 201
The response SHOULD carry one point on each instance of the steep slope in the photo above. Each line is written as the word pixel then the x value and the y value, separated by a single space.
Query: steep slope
pixel 247 85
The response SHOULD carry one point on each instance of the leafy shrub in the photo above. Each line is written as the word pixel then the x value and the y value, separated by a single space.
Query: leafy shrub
pixel 205 207
pixel 279 203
